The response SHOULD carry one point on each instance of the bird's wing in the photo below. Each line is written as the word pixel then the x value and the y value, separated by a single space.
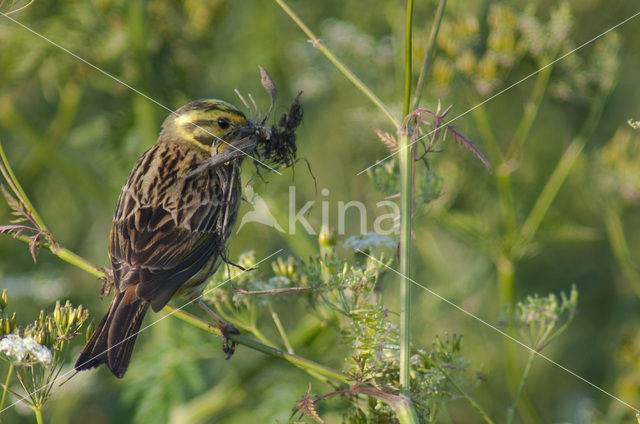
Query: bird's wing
pixel 166 227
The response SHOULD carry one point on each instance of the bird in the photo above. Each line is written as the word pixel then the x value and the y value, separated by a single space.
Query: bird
pixel 171 225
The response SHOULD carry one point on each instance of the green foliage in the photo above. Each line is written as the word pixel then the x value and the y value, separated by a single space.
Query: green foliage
pixel 345 290
pixel 561 208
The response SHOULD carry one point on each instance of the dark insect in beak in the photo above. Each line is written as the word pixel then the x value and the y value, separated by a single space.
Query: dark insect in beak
pixel 268 147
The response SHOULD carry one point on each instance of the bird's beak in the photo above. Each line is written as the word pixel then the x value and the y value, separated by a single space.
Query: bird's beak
pixel 238 147
pixel 235 148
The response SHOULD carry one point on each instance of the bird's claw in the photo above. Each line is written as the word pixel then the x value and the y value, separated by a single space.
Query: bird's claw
pixel 107 282
pixel 228 346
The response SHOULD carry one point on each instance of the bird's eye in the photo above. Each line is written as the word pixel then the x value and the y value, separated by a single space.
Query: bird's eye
pixel 224 123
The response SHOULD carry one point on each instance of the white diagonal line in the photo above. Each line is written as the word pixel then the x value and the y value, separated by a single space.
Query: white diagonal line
pixel 378 162
pixel 139 331
pixel 636 410
pixel 173 112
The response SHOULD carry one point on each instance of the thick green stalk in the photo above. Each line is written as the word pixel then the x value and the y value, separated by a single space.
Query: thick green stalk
pixel 296 360
pixel 405 412
pixel 428 54
pixel 525 376
pixel 317 43
pixel 505 270
pixel 401 404
pixel 406 166
pixel 38 413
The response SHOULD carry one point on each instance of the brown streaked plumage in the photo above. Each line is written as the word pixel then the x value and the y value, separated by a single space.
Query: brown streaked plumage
pixel 169 229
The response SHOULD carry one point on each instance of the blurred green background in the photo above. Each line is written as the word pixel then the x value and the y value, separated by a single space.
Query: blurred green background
pixel 72 134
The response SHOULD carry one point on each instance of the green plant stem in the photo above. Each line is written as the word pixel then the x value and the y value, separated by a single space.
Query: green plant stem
pixel 469 399
pixel 11 178
pixel 503 180
pixel 317 43
pixel 505 270
pixel 38 413
pixel 5 388
pixel 261 337
pixel 280 327
pixel 78 261
pixel 428 54
pixel 406 247
pixel 401 404
pixel 525 376
pixel 530 112
pixel 70 257
pixel 406 204
pixel 296 360
pixel 405 412
pixel 408 65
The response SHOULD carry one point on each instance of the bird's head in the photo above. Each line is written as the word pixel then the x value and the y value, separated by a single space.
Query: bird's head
pixel 207 123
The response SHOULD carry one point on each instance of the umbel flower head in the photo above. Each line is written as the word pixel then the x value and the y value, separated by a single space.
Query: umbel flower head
pixel 25 351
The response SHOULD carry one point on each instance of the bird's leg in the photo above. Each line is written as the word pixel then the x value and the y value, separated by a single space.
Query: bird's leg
pixel 225 329
pixel 107 282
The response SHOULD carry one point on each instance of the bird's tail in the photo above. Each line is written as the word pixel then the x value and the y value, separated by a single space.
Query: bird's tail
pixel 112 343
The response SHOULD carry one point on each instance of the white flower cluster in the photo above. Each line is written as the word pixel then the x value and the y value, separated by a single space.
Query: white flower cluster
pixel 25 351
pixel 369 241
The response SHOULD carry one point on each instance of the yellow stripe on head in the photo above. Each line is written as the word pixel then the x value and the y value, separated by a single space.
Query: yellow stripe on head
pixel 203 122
